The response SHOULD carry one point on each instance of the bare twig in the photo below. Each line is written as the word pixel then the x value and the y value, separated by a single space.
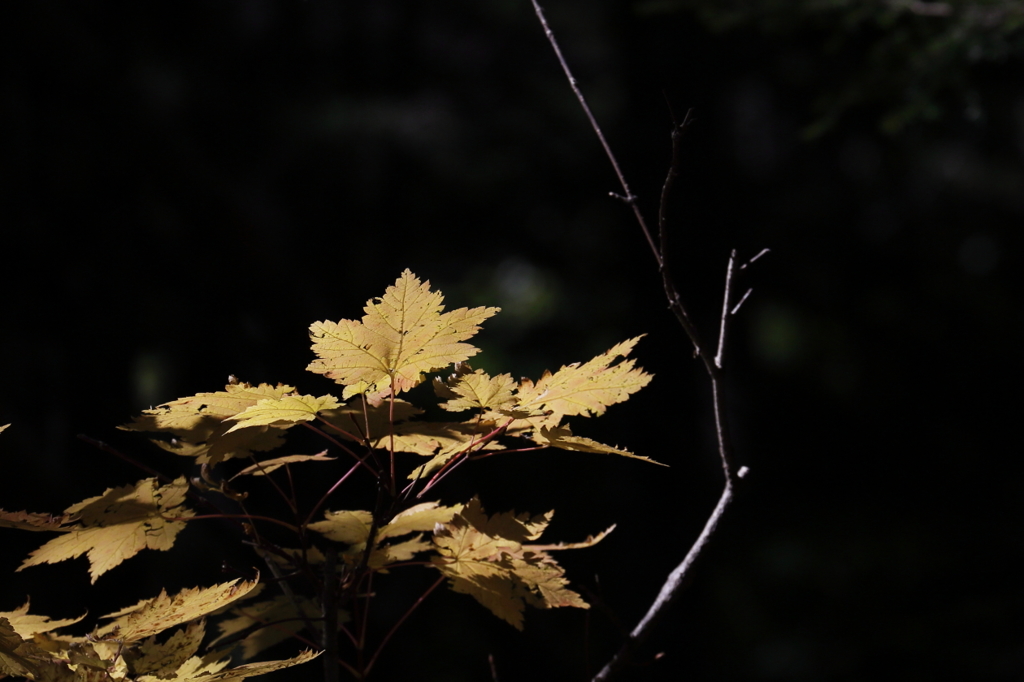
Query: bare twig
pixel 714 364
pixel 627 195
pixel 724 323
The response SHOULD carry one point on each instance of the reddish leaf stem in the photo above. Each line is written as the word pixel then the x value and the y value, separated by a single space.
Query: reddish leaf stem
pixel 316 507
pixel 335 441
pixel 491 453
pixel 341 430
pixel 248 517
pixel 398 624
pixel 290 501
pixel 459 457
pixel 110 450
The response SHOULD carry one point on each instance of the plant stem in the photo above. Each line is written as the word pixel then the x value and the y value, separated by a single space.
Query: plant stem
pixel 628 196
pixel 463 455
pixel 335 441
pixel 110 450
pixel 247 517
pixel 713 364
pixel 334 487
pixel 290 501
pixel 401 620
pixel 391 436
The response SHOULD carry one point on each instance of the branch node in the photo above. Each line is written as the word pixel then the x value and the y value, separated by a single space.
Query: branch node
pixel 629 199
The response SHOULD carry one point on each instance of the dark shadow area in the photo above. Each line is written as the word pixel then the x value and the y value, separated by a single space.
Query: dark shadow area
pixel 188 186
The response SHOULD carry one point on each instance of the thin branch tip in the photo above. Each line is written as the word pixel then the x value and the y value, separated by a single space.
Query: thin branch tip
pixel 762 252
pixel 736 308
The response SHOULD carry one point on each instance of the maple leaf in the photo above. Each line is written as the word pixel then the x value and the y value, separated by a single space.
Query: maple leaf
pixel 17 657
pixel 398 551
pixel 451 439
pixel 587 388
pixel 285 411
pixel 268 465
pixel 373 424
pixel 198 670
pixel 404 434
pixel 420 517
pixel 478 391
pixel 350 527
pixel 353 528
pixel 151 616
pixel 195 668
pixel 37 522
pixel 561 437
pixel 485 557
pixel 164 659
pixel 198 424
pixel 441 438
pixel 401 336
pixel 28 625
pixel 117 525
pixel 279 608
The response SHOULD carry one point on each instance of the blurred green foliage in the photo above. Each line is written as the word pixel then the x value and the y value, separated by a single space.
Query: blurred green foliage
pixel 914 60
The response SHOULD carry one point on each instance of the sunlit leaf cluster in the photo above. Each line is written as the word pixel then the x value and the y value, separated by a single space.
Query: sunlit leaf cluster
pixel 323 574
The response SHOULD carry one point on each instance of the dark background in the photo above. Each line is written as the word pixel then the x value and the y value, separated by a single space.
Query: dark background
pixel 187 186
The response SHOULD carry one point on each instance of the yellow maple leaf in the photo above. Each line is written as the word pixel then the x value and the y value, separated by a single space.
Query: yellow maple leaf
pixel 17 656
pixel 27 625
pixel 418 518
pixel 25 520
pixel 587 388
pixel 117 525
pixel 353 528
pixel 268 465
pixel 152 616
pixel 485 557
pixel 283 412
pixel 194 670
pixel 372 423
pixel 278 608
pixel 425 438
pixel 162 659
pixel 401 336
pixel 561 437
pixel 479 390
pixel 443 440
pixel 199 427
pixel 398 551
pixel 350 527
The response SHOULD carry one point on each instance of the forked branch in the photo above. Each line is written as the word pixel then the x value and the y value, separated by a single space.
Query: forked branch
pixel 714 363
